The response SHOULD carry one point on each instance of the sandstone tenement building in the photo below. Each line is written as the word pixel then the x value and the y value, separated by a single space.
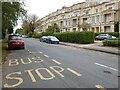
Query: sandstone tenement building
pixel 95 16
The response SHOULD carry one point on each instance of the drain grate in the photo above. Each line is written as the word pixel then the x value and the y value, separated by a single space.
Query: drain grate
pixel 108 72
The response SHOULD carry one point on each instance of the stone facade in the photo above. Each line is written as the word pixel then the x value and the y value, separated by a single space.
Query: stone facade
pixel 95 16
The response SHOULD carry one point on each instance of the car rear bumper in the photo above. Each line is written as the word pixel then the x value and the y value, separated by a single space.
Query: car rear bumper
pixel 16 46
pixel 55 42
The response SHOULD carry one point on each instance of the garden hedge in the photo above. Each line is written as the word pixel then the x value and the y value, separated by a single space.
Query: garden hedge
pixel 76 37
pixel 114 43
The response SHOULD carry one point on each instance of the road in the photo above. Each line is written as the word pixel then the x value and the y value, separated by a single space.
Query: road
pixel 43 65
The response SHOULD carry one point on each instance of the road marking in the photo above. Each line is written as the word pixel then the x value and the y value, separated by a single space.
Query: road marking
pixel 56 61
pixel 40 52
pixel 58 72
pixel 74 72
pixel 46 56
pixel 31 75
pixel 36 58
pixel 100 87
pixel 42 77
pixel 13 62
pixel 106 66
pixel 10 77
pixel 38 61
pixel 29 61
pixel 29 51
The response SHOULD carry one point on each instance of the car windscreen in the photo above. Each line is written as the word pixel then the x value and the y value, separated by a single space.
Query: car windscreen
pixel 15 38
pixel 54 38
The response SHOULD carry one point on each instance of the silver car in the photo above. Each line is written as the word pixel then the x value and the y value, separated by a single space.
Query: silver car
pixel 43 39
pixel 103 36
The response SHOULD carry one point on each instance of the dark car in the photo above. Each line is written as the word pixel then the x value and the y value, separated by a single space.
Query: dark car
pixel 15 42
pixel 52 40
pixel 43 39
pixel 103 36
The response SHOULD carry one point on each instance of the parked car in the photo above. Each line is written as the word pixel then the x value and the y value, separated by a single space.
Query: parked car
pixel 24 36
pixel 43 39
pixel 52 40
pixel 103 36
pixel 113 37
pixel 15 41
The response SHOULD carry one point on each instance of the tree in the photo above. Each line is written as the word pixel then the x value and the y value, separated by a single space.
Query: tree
pixel 11 12
pixel 53 28
pixel 25 26
pixel 30 23
pixel 20 31
pixel 85 26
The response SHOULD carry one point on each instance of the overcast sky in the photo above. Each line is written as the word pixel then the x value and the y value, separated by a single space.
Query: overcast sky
pixel 43 7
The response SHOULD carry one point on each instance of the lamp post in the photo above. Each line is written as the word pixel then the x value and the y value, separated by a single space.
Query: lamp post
pixel 119 27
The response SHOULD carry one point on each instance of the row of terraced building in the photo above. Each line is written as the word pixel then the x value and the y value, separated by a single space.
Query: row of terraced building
pixel 95 16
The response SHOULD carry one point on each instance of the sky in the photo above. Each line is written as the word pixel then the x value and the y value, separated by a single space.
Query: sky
pixel 42 8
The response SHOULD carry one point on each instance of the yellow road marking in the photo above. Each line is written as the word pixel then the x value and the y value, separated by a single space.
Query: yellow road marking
pixel 41 76
pixel 29 61
pixel 74 72
pixel 31 75
pixel 9 77
pixel 100 87
pixel 58 72
pixel 13 62
pixel 56 61
pixel 46 56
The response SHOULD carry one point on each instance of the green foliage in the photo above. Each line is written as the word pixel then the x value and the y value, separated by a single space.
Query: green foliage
pixel 76 37
pixel 114 43
pixel 11 12
pixel 36 35
pixel 30 23
pixel 53 28
pixel 30 34
pixel 4 50
pixel 47 33
pixel 116 34
pixel 20 31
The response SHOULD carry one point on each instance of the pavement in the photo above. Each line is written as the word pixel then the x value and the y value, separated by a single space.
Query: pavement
pixel 97 46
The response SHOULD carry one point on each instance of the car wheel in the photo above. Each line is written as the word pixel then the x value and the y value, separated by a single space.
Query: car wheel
pixel 50 42
pixel 9 48
pixel 23 48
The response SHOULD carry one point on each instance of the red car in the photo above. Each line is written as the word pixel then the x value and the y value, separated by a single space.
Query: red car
pixel 15 41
